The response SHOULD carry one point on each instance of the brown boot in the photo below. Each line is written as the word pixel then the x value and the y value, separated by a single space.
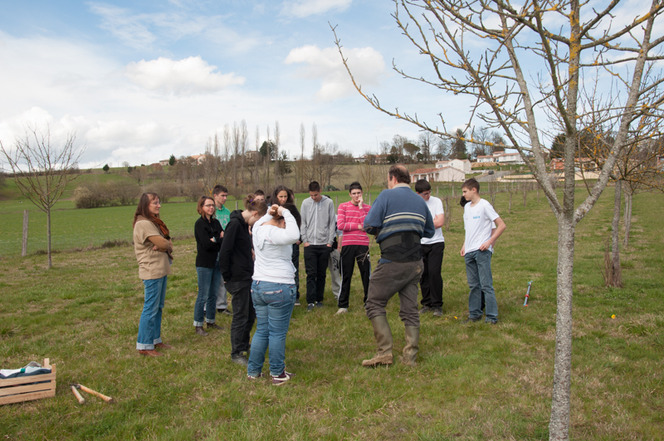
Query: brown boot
pixel 200 331
pixel 412 345
pixel 383 336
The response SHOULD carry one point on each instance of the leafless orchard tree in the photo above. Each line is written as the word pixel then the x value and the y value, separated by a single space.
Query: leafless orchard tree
pixel 256 169
pixel 42 170
pixel 520 76
pixel 277 135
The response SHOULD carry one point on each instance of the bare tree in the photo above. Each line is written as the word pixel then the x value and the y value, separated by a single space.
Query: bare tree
pixel 209 166
pixel 299 175
pixel 515 70
pixel 427 142
pixel 256 159
pixel 369 173
pixel 243 148
pixel 235 139
pixel 42 170
pixel 277 170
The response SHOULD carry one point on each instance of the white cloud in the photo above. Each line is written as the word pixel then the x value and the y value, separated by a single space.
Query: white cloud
pixel 149 30
pixel 189 76
pixel 306 8
pixel 132 30
pixel 367 66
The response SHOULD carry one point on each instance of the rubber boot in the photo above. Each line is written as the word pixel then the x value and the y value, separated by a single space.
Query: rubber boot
pixel 412 346
pixel 383 336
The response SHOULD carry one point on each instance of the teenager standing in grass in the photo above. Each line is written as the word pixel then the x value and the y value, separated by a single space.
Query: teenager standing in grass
pixel 223 215
pixel 432 253
pixel 272 291
pixel 318 234
pixel 207 231
pixel 153 249
pixel 477 250
pixel 284 196
pixel 355 243
pixel 237 267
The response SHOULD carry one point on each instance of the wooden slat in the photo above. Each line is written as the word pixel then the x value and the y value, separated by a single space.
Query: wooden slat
pixel 26 380
pixel 33 387
pixel 25 397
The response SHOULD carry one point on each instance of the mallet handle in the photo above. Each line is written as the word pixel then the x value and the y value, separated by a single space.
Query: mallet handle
pixel 78 395
pixel 94 392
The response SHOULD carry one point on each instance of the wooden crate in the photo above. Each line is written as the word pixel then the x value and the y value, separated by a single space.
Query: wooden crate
pixel 32 387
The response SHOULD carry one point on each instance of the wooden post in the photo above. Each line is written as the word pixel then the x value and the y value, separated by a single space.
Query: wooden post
pixel 24 249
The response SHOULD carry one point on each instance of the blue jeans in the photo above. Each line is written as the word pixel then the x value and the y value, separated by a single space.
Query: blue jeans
pixel 274 305
pixel 149 327
pixel 209 280
pixel 480 282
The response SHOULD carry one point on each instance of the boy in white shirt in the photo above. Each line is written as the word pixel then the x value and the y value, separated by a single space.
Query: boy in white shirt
pixel 477 250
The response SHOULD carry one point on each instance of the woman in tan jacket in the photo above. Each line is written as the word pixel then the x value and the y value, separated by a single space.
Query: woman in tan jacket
pixel 153 249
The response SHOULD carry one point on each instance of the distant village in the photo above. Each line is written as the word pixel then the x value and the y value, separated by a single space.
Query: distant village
pixel 451 170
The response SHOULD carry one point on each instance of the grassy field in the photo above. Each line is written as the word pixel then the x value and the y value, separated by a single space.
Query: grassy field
pixel 473 382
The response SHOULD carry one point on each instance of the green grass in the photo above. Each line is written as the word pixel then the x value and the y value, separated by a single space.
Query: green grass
pixel 473 382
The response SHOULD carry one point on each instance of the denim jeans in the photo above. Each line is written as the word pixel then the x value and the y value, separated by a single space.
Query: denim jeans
pixel 296 263
pixel 273 303
pixel 149 327
pixel 480 282
pixel 208 285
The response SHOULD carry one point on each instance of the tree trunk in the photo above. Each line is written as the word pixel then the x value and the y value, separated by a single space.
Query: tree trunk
pixel 48 237
pixel 525 195
pixel 24 247
pixel 615 279
pixel 628 214
pixel 562 370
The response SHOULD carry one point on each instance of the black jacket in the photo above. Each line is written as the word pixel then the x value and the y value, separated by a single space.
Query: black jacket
pixel 235 259
pixel 207 250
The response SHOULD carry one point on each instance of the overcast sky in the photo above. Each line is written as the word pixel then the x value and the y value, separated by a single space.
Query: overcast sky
pixel 137 81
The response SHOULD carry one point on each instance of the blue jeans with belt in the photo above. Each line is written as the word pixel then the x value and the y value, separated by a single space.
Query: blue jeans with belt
pixel 273 303
pixel 149 327
pixel 480 282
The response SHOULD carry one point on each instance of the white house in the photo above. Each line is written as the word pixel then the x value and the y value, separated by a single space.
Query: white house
pixel 439 174
pixel 485 158
pixel 510 158
pixel 460 164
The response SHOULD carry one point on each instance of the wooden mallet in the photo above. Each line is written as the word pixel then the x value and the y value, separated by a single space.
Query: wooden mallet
pixel 93 392
pixel 77 394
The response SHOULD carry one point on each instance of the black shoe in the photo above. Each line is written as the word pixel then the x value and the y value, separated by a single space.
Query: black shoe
pixel 214 326
pixel 224 311
pixel 319 304
pixel 310 307
pixel 437 312
pixel 472 320
pixel 492 321
pixel 425 309
pixel 239 359
pixel 200 331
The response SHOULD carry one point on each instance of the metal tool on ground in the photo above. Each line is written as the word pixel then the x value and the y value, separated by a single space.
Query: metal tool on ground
pixel 525 301
pixel 91 392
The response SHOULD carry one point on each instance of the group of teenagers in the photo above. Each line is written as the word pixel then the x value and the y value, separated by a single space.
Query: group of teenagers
pixel 253 254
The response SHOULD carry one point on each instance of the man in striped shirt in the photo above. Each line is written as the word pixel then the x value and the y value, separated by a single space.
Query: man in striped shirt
pixel 355 243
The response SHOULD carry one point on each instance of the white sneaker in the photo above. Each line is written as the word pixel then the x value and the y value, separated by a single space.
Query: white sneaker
pixel 342 311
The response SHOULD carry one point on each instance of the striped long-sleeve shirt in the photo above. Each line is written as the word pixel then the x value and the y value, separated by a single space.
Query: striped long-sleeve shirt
pixel 350 220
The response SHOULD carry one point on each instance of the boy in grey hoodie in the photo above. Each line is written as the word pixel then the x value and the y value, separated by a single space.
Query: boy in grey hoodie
pixel 318 233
